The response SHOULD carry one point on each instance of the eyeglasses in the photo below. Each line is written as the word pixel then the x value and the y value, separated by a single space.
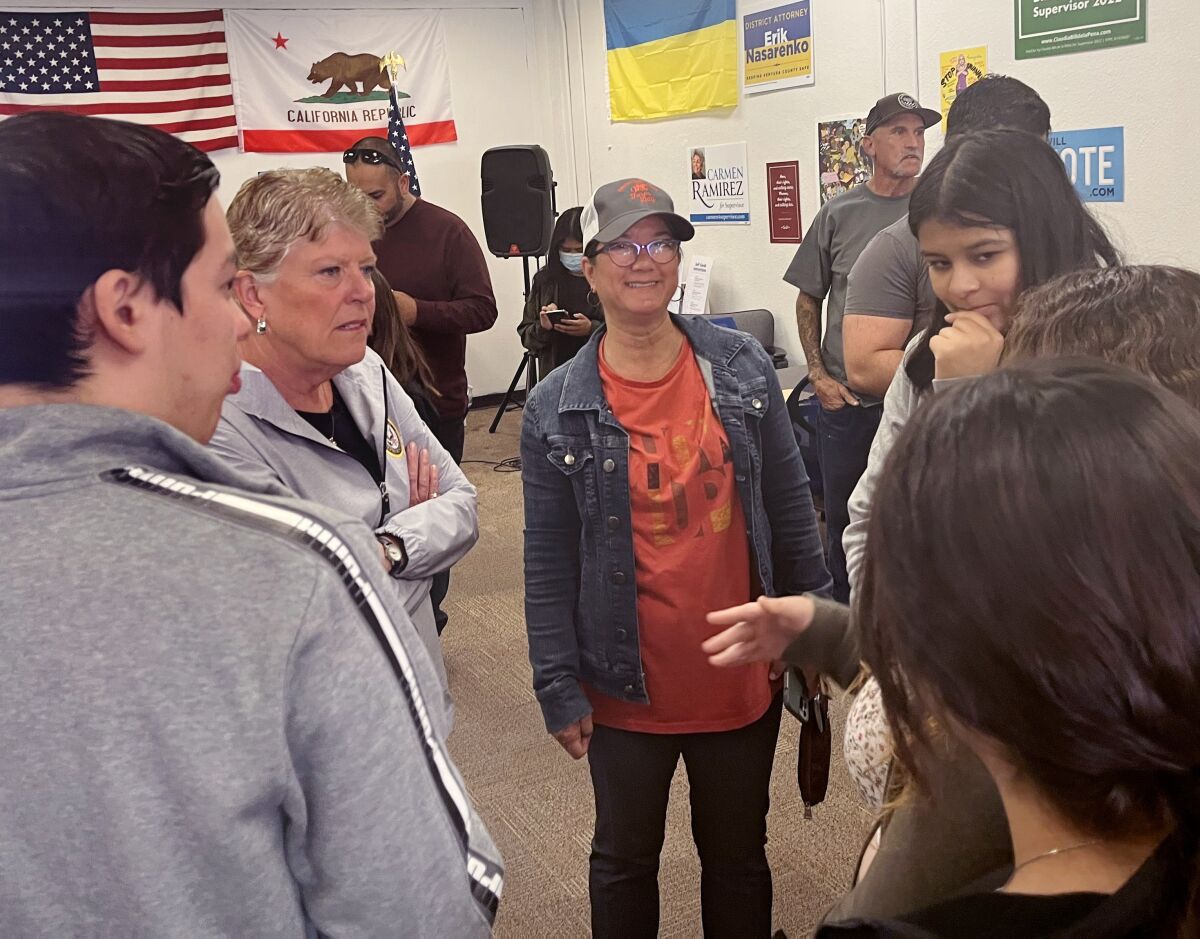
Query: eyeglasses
pixel 625 253
pixel 370 157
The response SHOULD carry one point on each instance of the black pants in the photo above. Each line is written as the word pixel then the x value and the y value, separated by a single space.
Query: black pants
pixel 845 437
pixel 729 776
pixel 451 434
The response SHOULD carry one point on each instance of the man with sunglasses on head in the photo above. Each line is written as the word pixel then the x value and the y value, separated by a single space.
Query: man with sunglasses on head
pixel 443 291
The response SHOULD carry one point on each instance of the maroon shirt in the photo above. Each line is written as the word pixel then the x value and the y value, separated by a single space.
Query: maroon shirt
pixel 431 255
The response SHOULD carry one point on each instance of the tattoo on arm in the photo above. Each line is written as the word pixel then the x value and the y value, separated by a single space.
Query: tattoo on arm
pixel 808 323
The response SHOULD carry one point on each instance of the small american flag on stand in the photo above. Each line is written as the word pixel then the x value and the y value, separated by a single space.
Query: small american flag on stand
pixel 169 70
pixel 399 138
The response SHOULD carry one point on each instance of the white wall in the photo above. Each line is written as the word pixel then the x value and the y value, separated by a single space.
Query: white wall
pixel 534 71
pixel 1130 86
pixel 493 59
pixel 1142 87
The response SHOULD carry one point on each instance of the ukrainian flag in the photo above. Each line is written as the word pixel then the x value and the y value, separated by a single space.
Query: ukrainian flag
pixel 670 57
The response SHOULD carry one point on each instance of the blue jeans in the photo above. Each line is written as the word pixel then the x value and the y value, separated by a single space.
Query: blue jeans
pixel 844 437
pixel 729 777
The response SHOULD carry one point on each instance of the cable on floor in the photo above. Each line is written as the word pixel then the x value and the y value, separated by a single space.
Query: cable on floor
pixel 511 465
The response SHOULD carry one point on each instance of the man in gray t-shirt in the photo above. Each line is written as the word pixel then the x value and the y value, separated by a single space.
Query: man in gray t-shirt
pixel 888 299
pixel 821 270
pixel 895 145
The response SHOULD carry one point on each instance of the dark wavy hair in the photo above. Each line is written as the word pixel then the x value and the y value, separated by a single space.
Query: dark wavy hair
pixel 1010 179
pixel 1145 317
pixel 998 101
pixel 393 340
pixel 1048 593
pixel 80 196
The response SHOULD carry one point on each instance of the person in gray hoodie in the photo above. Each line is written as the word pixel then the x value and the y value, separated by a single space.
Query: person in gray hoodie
pixel 219 721
pixel 318 411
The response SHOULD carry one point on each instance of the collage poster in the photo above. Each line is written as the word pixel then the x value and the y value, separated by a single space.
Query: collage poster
pixel 840 160
pixel 957 71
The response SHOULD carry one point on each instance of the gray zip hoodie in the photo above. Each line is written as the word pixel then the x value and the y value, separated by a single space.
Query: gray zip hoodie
pixel 215 723
pixel 260 432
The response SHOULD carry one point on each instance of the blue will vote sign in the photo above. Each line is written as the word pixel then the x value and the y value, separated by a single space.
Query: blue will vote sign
pixel 1095 161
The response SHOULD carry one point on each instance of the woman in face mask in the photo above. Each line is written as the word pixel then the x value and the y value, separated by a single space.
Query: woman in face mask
pixel 554 337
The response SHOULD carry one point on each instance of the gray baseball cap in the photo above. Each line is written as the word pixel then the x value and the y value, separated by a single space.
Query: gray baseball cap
pixel 614 207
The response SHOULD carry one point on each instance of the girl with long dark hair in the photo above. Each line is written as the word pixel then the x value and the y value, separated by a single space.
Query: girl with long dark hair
pixel 1051 627
pixel 393 341
pixel 1140 317
pixel 560 285
pixel 995 214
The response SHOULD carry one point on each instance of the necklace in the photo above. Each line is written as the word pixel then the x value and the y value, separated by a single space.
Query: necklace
pixel 332 415
pixel 1054 851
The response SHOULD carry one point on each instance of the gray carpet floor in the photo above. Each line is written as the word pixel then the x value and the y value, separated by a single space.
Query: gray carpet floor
pixel 537 801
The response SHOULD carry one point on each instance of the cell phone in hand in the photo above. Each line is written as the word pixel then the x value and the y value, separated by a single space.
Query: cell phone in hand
pixel 557 316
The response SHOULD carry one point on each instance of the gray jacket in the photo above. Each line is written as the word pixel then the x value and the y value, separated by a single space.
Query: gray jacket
pixel 213 725
pixel 261 433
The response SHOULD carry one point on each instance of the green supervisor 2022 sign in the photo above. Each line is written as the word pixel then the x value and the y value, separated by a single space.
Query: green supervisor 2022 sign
pixel 1054 27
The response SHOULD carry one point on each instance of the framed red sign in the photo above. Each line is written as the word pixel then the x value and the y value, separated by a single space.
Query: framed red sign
pixel 783 202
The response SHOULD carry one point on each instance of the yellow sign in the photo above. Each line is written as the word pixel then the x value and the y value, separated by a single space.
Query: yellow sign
pixel 958 71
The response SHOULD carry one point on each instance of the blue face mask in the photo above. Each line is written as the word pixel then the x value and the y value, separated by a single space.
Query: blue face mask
pixel 572 261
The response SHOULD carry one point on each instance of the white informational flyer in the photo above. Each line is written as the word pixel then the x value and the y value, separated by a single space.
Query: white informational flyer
pixel 695 281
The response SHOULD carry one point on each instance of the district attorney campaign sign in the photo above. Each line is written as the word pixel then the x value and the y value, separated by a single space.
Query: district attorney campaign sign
pixel 306 81
pixel 777 48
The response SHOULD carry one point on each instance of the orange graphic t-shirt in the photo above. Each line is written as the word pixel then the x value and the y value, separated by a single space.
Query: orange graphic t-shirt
pixel 692 555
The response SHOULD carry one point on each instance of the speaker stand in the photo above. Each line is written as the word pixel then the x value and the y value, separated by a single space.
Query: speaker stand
pixel 527 361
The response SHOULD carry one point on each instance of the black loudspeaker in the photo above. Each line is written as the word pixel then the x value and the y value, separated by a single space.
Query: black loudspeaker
pixel 518 201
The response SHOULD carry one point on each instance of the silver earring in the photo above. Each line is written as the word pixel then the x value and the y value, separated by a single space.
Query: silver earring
pixel 261 326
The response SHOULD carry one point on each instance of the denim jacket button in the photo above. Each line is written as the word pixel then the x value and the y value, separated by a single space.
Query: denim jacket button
pixel 618 577
pixel 609 466
pixel 756 404
pixel 629 689
pixel 613 523
pixel 621 634
pixel 569 459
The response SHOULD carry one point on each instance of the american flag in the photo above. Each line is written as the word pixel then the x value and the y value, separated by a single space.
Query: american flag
pixel 169 70
pixel 399 138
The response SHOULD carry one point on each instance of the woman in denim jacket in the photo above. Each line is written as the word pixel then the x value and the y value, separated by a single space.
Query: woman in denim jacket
pixel 662 480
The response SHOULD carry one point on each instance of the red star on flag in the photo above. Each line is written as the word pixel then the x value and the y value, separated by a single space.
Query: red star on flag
pixel 280 42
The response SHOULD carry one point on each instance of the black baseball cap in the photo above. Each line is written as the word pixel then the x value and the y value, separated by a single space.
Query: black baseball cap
pixel 891 106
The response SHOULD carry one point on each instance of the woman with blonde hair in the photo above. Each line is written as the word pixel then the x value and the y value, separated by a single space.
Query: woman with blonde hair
pixel 318 410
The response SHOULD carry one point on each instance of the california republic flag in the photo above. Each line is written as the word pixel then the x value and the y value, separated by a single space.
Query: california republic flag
pixel 314 82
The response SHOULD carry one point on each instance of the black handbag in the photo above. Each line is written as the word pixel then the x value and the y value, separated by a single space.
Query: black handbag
pixel 816 737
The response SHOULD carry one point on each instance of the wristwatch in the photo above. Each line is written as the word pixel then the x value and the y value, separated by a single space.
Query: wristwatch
pixel 393 550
